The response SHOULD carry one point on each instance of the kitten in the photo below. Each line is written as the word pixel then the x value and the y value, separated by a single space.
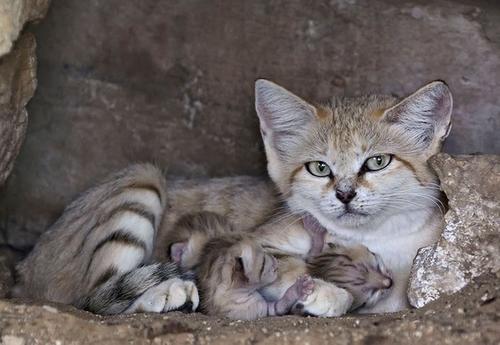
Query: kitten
pixel 355 269
pixel 232 270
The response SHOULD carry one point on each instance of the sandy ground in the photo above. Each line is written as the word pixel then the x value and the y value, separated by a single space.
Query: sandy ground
pixel 469 317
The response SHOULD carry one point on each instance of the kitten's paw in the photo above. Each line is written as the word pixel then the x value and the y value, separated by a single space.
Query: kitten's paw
pixel 305 287
pixel 183 295
pixel 326 300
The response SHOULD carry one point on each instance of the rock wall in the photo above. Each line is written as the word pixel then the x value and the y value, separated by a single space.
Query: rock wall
pixel 123 81
pixel 470 243
pixel 17 82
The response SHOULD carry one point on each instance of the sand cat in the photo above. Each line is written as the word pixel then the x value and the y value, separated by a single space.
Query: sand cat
pixel 358 166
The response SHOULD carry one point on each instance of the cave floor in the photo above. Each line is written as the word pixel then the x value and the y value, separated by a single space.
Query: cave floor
pixel 471 316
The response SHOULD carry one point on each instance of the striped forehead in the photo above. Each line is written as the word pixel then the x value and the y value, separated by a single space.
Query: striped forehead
pixel 347 155
pixel 353 132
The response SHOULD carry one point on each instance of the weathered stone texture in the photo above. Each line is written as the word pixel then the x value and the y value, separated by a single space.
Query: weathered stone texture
pixel 13 15
pixel 17 86
pixel 172 81
pixel 470 243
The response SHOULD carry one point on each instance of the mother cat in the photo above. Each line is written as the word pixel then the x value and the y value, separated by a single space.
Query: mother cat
pixel 357 166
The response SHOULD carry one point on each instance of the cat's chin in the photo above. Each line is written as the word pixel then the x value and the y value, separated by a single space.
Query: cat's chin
pixel 353 220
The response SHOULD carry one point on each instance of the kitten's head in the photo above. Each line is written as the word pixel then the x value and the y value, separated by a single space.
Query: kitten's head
pixel 357 160
pixel 252 266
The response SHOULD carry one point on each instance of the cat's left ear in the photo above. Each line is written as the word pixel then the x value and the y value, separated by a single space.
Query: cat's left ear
pixel 424 117
pixel 284 118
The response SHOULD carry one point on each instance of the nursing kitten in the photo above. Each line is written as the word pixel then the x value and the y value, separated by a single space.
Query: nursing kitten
pixel 232 271
pixel 355 269
pixel 358 166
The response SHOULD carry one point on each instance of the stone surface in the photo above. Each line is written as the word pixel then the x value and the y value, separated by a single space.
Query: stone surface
pixel 470 317
pixel 172 81
pixel 470 243
pixel 17 86
pixel 8 259
pixel 13 15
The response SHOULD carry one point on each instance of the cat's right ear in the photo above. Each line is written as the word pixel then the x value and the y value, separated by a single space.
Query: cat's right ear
pixel 282 115
pixel 424 117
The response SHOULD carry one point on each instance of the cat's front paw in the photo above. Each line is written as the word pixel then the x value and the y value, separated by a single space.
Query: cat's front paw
pixel 182 295
pixel 172 294
pixel 326 300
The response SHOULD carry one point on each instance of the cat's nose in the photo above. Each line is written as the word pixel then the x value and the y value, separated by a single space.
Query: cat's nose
pixel 345 196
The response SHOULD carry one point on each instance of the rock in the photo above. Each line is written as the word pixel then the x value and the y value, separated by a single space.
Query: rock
pixel 470 243
pixel 470 317
pixel 13 15
pixel 17 75
pixel 172 82
pixel 17 86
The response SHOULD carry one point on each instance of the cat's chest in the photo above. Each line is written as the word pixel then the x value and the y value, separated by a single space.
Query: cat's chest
pixel 397 242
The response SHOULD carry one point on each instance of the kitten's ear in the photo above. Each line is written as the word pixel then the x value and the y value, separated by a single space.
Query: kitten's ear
pixel 246 261
pixel 424 117
pixel 282 115
pixel 177 250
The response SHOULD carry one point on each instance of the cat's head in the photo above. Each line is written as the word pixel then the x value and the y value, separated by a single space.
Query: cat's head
pixel 357 160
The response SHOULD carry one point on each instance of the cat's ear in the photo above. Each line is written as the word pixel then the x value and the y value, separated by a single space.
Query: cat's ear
pixel 282 115
pixel 424 117
pixel 283 118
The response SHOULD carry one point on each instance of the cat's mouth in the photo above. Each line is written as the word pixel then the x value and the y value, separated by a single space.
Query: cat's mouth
pixel 350 212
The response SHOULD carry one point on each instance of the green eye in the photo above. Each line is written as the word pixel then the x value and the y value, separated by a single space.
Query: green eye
pixel 377 162
pixel 319 169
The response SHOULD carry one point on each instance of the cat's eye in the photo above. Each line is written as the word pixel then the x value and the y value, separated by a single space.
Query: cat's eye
pixel 378 162
pixel 318 168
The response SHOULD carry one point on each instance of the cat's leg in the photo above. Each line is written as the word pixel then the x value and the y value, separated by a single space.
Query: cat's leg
pixel 152 288
pixel 317 232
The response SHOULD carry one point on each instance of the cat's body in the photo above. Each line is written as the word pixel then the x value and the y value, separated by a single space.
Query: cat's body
pixel 358 167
